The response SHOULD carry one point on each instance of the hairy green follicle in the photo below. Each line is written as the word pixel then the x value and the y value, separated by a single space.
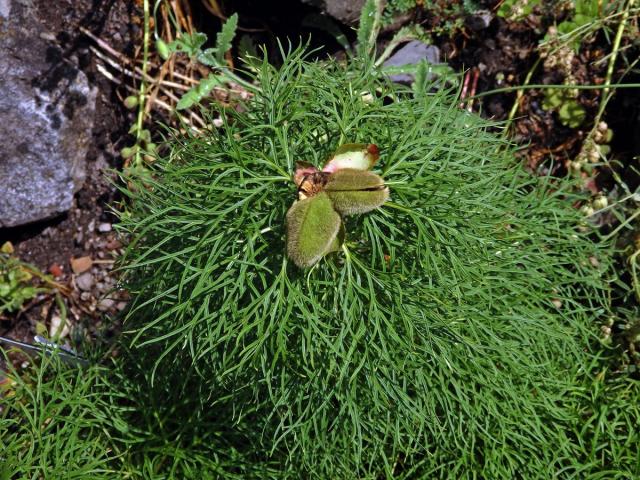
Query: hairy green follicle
pixel 357 202
pixel 356 191
pixel 359 156
pixel 348 180
pixel 312 228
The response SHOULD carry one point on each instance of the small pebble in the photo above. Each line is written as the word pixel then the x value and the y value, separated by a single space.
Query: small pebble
pixel 105 304
pixel 55 270
pixel 113 244
pixel 104 227
pixel 85 281
pixel 81 264
pixel 58 328
pixel 47 36
pixel 85 296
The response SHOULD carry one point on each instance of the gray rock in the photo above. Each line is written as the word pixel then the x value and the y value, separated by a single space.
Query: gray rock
pixel 104 227
pixel 85 281
pixel 347 11
pixel 106 304
pixel 412 53
pixel 46 118
pixel 479 20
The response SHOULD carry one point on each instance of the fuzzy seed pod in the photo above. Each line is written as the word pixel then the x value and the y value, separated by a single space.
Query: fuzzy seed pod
pixel 356 202
pixel 163 49
pixel 312 228
pixel 349 179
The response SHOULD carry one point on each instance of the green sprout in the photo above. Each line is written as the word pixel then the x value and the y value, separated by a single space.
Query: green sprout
pixel 16 282
pixel 570 112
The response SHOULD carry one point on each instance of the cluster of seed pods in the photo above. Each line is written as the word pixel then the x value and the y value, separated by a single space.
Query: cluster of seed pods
pixel 344 186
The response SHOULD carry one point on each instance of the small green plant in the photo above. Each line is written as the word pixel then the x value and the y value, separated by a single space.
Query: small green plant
pixel 193 46
pixel 16 284
pixel 570 112
pixel 585 14
pixel 446 17
pixel 515 10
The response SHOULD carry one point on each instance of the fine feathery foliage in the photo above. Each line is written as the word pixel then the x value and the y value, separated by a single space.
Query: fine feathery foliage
pixel 52 424
pixel 447 337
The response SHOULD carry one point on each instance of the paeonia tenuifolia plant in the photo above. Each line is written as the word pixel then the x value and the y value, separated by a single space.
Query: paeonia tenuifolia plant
pixel 344 186
pixel 442 340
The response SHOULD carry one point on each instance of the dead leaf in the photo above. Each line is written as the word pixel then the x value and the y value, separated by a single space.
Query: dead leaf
pixel 81 264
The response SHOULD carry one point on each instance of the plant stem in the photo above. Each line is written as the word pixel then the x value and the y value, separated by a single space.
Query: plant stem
pixel 141 93
pixel 560 87
pixel 520 93
pixel 606 94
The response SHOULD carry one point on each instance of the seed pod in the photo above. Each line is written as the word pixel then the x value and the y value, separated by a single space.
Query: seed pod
pixel 312 228
pixel 349 179
pixel 356 191
pixel 600 202
pixel 356 202
pixel 163 49
pixel 131 102
pixel 359 156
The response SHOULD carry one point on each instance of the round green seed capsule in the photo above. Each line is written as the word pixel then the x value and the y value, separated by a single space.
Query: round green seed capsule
pixel 163 49
pixel 131 102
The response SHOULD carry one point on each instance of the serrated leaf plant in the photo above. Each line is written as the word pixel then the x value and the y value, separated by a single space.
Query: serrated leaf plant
pixel 444 339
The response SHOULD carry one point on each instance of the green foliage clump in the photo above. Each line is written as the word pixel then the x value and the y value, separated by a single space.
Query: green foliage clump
pixel 446 17
pixel 52 425
pixel 584 14
pixel 447 336
pixel 517 9
pixel 570 112
pixel 16 284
